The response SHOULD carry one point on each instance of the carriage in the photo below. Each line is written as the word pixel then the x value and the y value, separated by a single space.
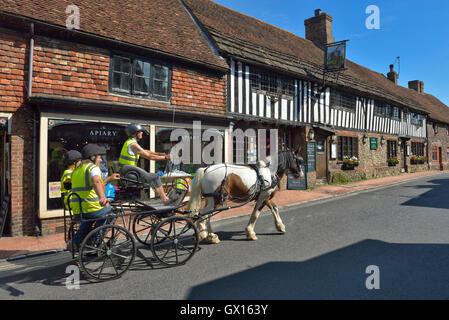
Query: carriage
pixel 170 231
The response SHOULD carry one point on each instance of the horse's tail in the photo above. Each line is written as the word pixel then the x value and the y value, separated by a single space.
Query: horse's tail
pixel 195 195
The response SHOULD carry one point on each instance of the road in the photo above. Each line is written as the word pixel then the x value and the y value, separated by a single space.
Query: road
pixel 401 230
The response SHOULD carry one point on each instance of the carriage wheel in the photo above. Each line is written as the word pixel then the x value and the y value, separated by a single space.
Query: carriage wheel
pixel 174 241
pixel 143 227
pixel 107 252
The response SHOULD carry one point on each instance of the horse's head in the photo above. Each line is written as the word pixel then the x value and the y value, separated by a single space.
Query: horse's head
pixel 295 166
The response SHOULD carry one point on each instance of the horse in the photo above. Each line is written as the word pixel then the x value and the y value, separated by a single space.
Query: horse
pixel 241 184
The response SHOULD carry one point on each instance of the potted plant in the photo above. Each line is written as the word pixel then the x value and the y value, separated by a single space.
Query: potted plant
pixel 392 161
pixel 414 160
pixel 350 163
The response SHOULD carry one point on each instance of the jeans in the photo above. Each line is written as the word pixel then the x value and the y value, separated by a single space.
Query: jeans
pixel 86 226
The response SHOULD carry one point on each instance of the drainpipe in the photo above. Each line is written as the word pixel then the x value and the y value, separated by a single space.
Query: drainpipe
pixel 37 230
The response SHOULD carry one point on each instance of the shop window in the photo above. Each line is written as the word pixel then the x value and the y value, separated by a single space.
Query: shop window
pixel 348 147
pixel 189 167
pixel 417 149
pixel 392 150
pixel 435 154
pixel 73 135
pixel 140 78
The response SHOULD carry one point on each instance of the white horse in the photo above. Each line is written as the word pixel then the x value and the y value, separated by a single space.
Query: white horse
pixel 240 183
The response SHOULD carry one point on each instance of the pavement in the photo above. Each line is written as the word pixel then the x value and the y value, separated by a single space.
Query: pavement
pixel 14 248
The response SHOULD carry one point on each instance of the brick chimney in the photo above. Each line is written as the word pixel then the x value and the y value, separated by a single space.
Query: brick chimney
pixel 416 85
pixel 392 75
pixel 319 28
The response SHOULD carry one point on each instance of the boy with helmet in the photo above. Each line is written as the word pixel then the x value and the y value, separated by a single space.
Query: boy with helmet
pixel 87 182
pixel 131 151
pixel 72 160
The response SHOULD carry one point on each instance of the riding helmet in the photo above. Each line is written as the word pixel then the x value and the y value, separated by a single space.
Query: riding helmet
pixel 72 156
pixel 134 128
pixel 91 149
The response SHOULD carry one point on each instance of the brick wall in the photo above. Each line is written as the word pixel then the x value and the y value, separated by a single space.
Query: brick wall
pixel 13 86
pixel 79 71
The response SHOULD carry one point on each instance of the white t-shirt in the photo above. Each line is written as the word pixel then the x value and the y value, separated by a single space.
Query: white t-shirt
pixel 95 172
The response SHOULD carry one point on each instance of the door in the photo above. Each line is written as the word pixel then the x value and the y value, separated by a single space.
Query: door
pixel 321 158
pixel 440 158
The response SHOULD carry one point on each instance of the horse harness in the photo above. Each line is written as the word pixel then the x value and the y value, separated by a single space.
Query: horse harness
pixel 254 191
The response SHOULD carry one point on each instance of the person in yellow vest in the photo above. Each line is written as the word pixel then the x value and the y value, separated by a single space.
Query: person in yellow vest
pixel 132 151
pixel 72 160
pixel 87 182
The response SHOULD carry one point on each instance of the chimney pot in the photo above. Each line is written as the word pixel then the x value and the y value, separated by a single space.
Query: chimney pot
pixel 391 67
pixel 317 12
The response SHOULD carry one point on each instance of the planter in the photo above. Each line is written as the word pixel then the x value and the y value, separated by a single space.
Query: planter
pixel 391 164
pixel 349 166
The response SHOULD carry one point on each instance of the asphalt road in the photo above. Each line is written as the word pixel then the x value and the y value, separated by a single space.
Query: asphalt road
pixel 401 230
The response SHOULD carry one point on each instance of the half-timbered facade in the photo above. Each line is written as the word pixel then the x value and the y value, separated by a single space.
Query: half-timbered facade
pixel 276 80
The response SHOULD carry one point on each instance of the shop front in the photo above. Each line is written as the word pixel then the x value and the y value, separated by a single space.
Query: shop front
pixel 60 133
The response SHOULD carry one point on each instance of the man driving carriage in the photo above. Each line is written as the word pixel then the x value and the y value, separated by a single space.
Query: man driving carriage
pixel 88 184
pixel 132 151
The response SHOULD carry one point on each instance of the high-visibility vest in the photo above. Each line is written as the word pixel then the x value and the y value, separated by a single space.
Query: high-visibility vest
pixel 83 186
pixel 66 177
pixel 125 156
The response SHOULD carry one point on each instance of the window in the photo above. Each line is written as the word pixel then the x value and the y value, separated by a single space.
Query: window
pixel 347 147
pixel 417 149
pixel 140 78
pixel 416 118
pixel 73 135
pixel 435 154
pixel 392 149
pixel 396 113
pixel 270 83
pixel 342 99
pixel 380 108
pixel 447 153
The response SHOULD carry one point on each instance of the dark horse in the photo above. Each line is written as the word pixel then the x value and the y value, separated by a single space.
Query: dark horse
pixel 242 183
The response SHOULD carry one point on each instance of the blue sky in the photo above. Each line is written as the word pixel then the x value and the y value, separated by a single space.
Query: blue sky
pixel 416 31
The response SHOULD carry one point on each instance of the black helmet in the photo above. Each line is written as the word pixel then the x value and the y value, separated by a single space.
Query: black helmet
pixel 72 156
pixel 91 149
pixel 134 128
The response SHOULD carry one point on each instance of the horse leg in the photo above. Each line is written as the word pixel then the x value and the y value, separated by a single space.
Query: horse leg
pixel 211 237
pixel 250 234
pixel 277 219
pixel 202 226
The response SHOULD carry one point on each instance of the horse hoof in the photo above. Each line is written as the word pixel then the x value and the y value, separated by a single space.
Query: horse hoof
pixel 202 235
pixel 213 239
pixel 251 236
pixel 280 228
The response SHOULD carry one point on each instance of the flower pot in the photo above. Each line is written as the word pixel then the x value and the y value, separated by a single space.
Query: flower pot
pixel 348 166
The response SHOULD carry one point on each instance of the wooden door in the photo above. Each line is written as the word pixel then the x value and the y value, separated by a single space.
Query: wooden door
pixel 321 158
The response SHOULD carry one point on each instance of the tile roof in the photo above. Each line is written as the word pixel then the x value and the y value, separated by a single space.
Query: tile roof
pixel 162 25
pixel 248 38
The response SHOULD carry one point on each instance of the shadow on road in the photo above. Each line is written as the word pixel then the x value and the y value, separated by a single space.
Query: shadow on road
pixel 406 271
pixel 436 197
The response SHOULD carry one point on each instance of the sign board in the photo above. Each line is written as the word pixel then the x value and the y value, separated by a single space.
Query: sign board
pixel 373 143
pixel 54 190
pixel 296 184
pixel 335 58
pixel 311 156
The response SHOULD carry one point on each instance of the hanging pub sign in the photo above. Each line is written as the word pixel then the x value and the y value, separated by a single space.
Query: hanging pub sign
pixel 335 58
